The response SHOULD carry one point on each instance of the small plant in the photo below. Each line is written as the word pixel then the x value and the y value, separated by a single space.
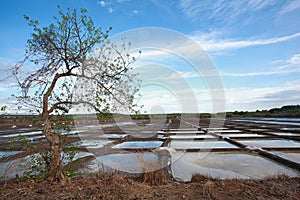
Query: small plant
pixel 35 165
pixel 68 157
pixel 23 142
pixel 70 153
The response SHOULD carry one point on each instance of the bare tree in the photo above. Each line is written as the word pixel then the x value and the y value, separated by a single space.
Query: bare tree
pixel 72 55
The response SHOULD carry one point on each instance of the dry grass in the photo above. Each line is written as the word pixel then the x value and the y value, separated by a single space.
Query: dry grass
pixel 152 172
pixel 277 177
pixel 200 178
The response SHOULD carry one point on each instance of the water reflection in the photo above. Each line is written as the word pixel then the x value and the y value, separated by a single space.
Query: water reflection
pixel 225 165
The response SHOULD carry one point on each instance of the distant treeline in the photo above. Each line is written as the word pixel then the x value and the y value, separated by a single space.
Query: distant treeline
pixel 284 111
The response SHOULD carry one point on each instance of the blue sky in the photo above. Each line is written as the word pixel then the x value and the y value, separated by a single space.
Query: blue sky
pixel 254 44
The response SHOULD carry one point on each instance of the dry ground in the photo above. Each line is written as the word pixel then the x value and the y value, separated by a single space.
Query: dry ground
pixel 120 187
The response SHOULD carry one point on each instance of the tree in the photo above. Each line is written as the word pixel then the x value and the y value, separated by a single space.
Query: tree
pixel 64 57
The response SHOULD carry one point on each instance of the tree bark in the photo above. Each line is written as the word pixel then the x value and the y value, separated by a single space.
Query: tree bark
pixel 55 169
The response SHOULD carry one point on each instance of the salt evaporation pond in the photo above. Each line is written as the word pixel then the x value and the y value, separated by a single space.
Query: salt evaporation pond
pixel 63 132
pixel 292 156
pixel 21 134
pixel 139 145
pixel 216 129
pixel 129 162
pixel 181 132
pixel 269 122
pixel 181 129
pixel 285 134
pixel 94 144
pixel 225 131
pixel 11 168
pixel 192 137
pixel 4 154
pixel 115 136
pixel 225 165
pixel 243 135
pixel 290 129
pixel 272 143
pixel 200 145
pixel 100 136
pixel 259 129
pixel 281 119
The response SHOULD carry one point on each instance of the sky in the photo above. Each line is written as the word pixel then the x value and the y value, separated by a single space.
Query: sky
pixel 253 46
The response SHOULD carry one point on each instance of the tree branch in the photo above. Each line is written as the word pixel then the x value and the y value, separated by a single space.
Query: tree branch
pixel 58 106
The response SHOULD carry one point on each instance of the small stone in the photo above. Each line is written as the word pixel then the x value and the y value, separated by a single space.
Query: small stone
pixel 183 197
pixel 40 191
pixel 157 194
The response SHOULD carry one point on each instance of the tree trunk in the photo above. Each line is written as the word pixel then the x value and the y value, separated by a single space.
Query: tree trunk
pixel 55 169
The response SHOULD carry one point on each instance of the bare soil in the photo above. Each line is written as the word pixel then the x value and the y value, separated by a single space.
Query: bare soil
pixel 120 187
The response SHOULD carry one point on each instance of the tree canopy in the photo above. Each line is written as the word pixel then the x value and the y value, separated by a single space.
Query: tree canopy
pixel 67 53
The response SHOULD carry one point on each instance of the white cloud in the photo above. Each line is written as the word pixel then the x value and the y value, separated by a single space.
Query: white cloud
pixel 291 6
pixel 163 5
pixel 262 98
pixel 182 75
pixel 294 60
pixel 291 65
pixel 250 74
pixel 121 1
pixel 102 3
pixel 209 42
pixel 108 4
pixel 135 12
pixel 221 10
pixel 110 9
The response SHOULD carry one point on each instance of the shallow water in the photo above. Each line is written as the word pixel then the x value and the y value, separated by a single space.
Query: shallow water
pixel 224 165
pixel 11 168
pixel 139 145
pixel 200 145
pixel 116 136
pixel 18 166
pixel 242 135
pixel 269 122
pixel 21 134
pixel 259 129
pixel 215 129
pixel 181 132
pixel 77 156
pixel 4 154
pixel 181 129
pixel 290 129
pixel 63 132
pixel 281 119
pixel 285 134
pixel 225 131
pixel 94 144
pixel 271 143
pixel 295 157
pixel 99 136
pixel 131 162
pixel 191 136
